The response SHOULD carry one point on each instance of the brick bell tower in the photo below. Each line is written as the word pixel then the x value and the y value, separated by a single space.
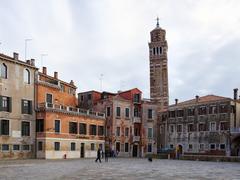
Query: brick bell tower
pixel 159 67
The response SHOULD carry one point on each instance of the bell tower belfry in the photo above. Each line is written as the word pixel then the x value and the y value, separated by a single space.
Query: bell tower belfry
pixel 159 67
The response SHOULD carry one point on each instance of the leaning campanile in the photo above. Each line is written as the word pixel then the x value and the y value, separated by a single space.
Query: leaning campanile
pixel 159 67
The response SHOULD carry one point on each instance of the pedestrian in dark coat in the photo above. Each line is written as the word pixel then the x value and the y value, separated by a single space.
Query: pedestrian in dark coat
pixel 98 155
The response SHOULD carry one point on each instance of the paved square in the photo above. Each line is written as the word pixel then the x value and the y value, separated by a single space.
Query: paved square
pixel 118 168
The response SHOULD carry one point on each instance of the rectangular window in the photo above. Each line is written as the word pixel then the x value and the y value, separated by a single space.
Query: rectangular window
pixel 82 128
pixel 191 111
pixel 100 130
pixel 149 147
pixel 108 111
pixel 92 146
pixel 49 99
pixel 26 147
pixel 223 126
pixel 212 110
pixel 190 128
pixel 89 96
pixel 26 106
pixel 190 147
pixel 179 128
pixel 93 130
pixel 201 147
pixel 4 127
pixel 135 112
pixel 40 145
pixel 39 125
pixel 73 146
pixel 5 147
pixel 57 146
pixel 150 113
pixel 5 103
pixel 180 113
pixel 126 147
pixel 127 112
pixel 62 88
pixel 172 114
pixel 25 128
pixel 201 127
pixel 118 111
pixel 202 110
pixel 126 132
pixel 57 126
pixel 136 98
pixel 222 146
pixel 212 146
pixel 212 126
pixel 16 147
pixel 150 133
pixel 171 146
pixel 118 131
pixel 223 108
pixel 73 128
pixel 171 127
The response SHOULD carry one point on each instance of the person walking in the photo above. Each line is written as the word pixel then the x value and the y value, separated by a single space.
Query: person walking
pixel 98 155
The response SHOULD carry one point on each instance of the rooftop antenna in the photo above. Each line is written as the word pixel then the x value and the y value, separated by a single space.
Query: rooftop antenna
pixel 42 55
pixel 26 41
pixel 157 21
pixel 101 79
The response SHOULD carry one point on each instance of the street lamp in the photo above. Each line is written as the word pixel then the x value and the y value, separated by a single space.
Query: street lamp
pixel 26 40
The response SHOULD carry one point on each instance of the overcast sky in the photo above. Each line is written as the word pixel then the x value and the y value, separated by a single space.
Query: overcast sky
pixel 87 38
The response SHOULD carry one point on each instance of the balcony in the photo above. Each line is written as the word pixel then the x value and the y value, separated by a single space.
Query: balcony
pixel 136 120
pixel 68 109
pixel 136 138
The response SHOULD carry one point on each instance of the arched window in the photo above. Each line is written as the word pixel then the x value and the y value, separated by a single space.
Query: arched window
pixel 4 71
pixel 26 76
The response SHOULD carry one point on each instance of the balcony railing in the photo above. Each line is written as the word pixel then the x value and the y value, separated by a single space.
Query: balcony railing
pixel 235 130
pixel 69 109
pixel 136 138
pixel 136 120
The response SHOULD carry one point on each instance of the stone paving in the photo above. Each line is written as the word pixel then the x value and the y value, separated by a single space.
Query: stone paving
pixel 117 168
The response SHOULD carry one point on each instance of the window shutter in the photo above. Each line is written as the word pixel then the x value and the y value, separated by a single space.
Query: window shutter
pixel 22 107
pixel 9 104
pixel 30 107
pixel 1 103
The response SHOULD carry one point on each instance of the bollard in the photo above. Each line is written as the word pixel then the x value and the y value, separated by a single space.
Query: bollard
pixel 168 156
pixel 65 156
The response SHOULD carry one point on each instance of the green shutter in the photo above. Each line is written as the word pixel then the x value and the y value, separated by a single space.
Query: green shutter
pixel 9 104
pixel 0 103
pixel 30 107
pixel 22 108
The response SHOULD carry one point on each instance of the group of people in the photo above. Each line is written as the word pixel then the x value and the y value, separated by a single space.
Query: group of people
pixel 101 154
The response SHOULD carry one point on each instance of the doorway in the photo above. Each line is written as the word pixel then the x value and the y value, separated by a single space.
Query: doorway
pixel 135 150
pixel 82 154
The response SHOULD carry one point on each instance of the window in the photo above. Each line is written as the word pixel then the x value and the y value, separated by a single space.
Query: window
pixel 212 146
pixel 89 96
pixel 161 129
pixel 108 111
pixel 93 130
pixel 150 113
pixel 202 110
pixel 82 128
pixel 201 147
pixel 201 127
pixel 126 147
pixel 16 147
pixel 73 146
pixel 100 130
pixel 73 127
pixel 126 132
pixel 4 127
pixel 92 146
pixel 4 71
pixel 180 113
pixel 191 111
pixel 149 147
pixel 179 128
pixel 223 126
pixel 27 76
pixel 171 146
pixel 118 131
pixel 57 126
pixel 40 145
pixel 136 112
pixel 25 128
pixel 5 103
pixel 190 128
pixel 223 108
pixel 212 110
pixel 171 127
pixel 222 146
pixel 62 88
pixel 57 146
pixel 39 125
pixel 5 147
pixel 26 107
pixel 118 111
pixel 172 114
pixel 212 126
pixel 190 147
pixel 49 99
pixel 26 147
pixel 82 97
pixel 136 98
pixel 150 133
pixel 127 112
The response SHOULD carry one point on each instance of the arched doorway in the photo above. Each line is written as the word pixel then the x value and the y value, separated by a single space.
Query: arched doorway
pixel 235 146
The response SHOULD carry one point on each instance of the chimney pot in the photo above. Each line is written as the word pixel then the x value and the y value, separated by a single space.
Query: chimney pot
pixel 28 62
pixel 72 83
pixel 33 62
pixel 15 56
pixel 176 101
pixel 235 93
pixel 197 98
pixel 56 75
pixel 44 70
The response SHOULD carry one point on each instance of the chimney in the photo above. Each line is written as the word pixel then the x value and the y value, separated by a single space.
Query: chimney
pixel 72 83
pixel 56 75
pixel 15 56
pixel 44 70
pixel 28 62
pixel 176 101
pixel 33 62
pixel 197 98
pixel 235 93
